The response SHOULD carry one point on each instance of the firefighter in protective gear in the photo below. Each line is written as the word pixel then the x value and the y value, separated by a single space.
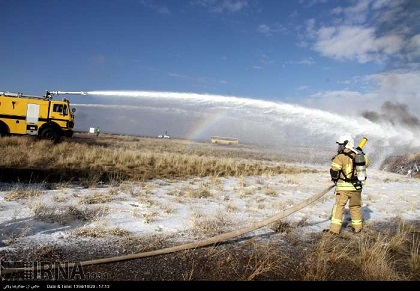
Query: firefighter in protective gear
pixel 348 187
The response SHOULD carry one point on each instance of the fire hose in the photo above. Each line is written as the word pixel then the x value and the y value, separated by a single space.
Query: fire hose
pixel 193 245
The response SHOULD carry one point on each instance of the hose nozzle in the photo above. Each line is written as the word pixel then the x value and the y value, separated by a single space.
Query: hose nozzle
pixel 363 142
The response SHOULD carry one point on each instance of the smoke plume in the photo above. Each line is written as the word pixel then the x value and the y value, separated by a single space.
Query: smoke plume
pixel 394 113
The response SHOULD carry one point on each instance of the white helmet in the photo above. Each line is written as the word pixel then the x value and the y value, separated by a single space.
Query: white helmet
pixel 346 140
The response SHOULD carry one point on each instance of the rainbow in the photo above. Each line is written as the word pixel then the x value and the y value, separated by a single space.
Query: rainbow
pixel 199 131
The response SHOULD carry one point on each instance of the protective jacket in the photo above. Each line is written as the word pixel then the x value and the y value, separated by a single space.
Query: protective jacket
pixel 344 173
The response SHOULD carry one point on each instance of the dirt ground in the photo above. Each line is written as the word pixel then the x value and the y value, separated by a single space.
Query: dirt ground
pixel 232 261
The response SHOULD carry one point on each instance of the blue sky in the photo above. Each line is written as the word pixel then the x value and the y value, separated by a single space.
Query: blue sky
pixel 339 56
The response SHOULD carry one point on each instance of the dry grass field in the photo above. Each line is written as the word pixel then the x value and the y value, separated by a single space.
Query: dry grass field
pixel 113 158
pixel 385 251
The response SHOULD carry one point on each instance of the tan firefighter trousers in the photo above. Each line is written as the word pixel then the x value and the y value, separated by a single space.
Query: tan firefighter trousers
pixel 355 206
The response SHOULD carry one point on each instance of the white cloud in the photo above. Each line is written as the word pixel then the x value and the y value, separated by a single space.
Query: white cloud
pixel 310 28
pixel 221 6
pixel 382 31
pixel 400 86
pixel 157 8
pixel 269 30
pixel 341 101
pixel 232 5
pixel 413 48
pixel 310 3
pixel 357 13
pixel 306 61
pixel 356 43
pixel 397 87
pixel 367 31
pixel 263 28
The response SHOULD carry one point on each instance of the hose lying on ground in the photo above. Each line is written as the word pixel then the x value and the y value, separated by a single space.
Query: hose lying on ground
pixel 202 243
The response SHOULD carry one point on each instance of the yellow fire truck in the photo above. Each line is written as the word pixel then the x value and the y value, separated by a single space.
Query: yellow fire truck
pixel 37 116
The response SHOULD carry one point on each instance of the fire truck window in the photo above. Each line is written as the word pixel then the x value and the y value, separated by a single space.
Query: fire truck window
pixel 65 111
pixel 58 108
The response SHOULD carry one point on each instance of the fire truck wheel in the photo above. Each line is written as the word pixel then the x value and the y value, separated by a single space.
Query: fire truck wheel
pixel 3 130
pixel 50 134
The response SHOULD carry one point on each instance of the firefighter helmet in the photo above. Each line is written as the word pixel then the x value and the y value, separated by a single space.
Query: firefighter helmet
pixel 346 140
